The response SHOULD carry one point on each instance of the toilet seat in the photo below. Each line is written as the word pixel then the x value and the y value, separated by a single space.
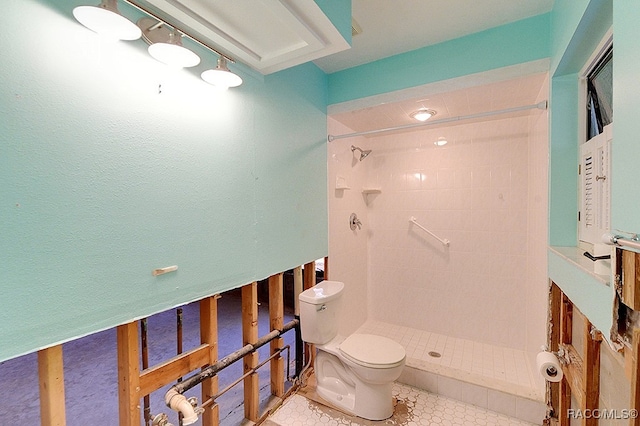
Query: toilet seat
pixel 372 351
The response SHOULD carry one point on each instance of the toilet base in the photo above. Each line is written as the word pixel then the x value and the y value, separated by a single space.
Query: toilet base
pixel 347 392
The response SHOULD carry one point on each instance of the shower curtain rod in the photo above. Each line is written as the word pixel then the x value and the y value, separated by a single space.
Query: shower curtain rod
pixel 540 105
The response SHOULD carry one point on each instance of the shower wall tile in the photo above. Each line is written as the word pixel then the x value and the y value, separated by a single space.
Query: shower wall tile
pixel 476 192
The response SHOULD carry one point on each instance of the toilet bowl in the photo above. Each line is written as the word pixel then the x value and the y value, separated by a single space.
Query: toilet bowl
pixel 354 373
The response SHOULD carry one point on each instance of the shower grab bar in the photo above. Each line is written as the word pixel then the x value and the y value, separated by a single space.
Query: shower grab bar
pixel 619 240
pixel 444 241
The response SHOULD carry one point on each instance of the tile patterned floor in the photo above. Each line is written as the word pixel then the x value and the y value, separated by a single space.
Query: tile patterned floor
pixel 414 408
pixel 492 362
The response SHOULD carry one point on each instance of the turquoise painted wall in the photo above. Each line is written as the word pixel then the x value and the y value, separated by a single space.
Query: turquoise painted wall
pixel 111 166
pixel 577 27
pixel 515 43
pixel 625 197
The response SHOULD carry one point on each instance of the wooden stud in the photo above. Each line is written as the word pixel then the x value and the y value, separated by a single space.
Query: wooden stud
pixel 553 342
pixel 591 370
pixel 250 335
pixel 631 279
pixel 635 377
pixel 128 374
pixel 309 275
pixel 209 336
pixel 51 374
pixel 308 281
pixel 566 314
pixel 326 268
pixel 276 320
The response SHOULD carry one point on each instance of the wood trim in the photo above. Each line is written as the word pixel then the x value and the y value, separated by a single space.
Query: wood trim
pixel 128 374
pixel 209 337
pixel 309 275
pixel 159 375
pixel 51 377
pixel 250 361
pixel 276 320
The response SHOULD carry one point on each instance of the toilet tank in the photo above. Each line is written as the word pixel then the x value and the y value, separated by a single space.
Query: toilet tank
pixel 319 309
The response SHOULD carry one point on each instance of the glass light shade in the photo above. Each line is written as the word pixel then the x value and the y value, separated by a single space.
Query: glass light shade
pixel 105 20
pixel 221 78
pixel 174 55
pixel 423 114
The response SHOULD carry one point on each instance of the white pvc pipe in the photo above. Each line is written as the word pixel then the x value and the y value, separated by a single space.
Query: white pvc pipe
pixel 540 105
pixel 178 402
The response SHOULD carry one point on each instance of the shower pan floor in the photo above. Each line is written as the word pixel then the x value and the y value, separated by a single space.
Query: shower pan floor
pixel 493 377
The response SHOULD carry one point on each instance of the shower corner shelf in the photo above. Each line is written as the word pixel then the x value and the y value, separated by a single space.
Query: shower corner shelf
pixel 371 191
pixel 341 183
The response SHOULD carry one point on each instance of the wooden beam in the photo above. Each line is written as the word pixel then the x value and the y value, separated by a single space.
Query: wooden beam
pixel 553 341
pixel 161 374
pixel 309 275
pixel 631 279
pixel 51 374
pixel 566 315
pixel 250 335
pixel 209 336
pixel 276 320
pixel 128 374
pixel 326 268
pixel 591 370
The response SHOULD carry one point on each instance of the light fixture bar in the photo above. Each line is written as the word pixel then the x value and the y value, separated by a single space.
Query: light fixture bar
pixel 540 105
pixel 181 30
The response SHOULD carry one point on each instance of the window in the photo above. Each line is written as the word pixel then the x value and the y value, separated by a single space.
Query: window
pixel 595 184
pixel 600 95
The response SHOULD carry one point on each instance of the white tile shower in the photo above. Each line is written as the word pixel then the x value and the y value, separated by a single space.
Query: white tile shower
pixel 481 302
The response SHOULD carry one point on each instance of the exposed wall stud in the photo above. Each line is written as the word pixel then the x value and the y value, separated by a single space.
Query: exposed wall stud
pixel 250 335
pixel 51 373
pixel 209 336
pixel 276 320
pixel 128 374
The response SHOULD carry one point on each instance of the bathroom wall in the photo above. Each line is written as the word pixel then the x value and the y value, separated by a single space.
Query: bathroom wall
pixel 537 226
pixel 489 285
pixel 348 248
pixel 111 166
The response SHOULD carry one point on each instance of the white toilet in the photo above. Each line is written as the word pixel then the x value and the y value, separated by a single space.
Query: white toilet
pixel 354 373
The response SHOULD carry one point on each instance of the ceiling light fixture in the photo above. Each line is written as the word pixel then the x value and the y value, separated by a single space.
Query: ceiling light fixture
pixel 106 20
pixel 221 76
pixel 423 114
pixel 441 141
pixel 165 44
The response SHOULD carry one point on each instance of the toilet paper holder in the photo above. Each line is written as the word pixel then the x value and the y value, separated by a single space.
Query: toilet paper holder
pixel 563 356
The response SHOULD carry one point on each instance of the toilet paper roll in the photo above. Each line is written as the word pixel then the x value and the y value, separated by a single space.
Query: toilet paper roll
pixel 549 366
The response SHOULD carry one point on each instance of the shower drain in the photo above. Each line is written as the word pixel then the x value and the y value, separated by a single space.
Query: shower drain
pixel 435 354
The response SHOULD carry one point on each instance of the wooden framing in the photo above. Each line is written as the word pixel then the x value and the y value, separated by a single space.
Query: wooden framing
pixel 276 322
pixel 51 374
pixel 250 361
pixel 209 337
pixel 134 383
pixel 582 372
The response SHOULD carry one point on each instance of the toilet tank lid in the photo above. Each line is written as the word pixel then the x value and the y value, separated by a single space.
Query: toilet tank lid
pixel 372 350
pixel 322 292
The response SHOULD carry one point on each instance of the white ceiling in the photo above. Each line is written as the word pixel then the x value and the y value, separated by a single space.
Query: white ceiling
pixel 390 27
pixel 393 27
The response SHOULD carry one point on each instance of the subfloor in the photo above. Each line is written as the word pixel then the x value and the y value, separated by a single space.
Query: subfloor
pixel 413 407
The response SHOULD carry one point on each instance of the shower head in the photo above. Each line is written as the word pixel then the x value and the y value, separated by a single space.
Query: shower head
pixel 363 154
